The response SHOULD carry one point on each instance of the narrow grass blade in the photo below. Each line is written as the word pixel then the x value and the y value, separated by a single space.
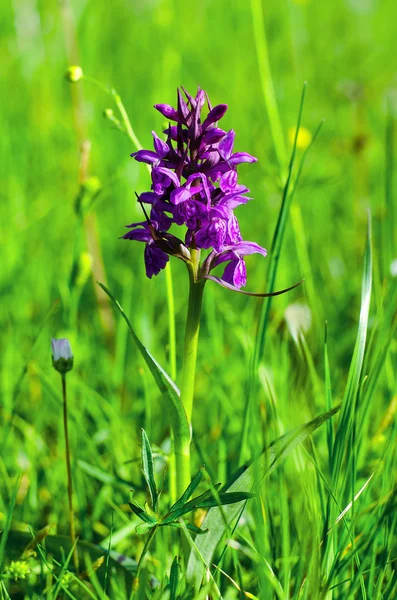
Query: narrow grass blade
pixel 345 422
pixel 174 577
pixel 277 242
pixel 265 464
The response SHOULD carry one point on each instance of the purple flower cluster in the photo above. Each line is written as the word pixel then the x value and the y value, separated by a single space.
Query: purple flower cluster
pixel 195 184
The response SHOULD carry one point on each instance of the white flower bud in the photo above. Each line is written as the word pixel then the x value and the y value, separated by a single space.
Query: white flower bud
pixel 62 357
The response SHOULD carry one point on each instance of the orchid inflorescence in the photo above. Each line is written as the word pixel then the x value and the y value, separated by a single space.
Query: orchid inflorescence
pixel 195 184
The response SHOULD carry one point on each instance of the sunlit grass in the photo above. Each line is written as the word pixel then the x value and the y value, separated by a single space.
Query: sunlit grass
pixel 323 522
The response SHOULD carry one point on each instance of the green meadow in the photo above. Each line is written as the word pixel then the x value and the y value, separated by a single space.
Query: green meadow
pixel 295 397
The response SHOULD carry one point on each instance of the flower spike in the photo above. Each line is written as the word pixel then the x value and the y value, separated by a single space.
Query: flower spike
pixel 195 184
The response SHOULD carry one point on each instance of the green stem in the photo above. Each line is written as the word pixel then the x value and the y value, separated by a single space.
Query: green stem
pixel 182 445
pixel 126 120
pixel 171 321
pixel 69 474
pixel 190 347
pixel 135 582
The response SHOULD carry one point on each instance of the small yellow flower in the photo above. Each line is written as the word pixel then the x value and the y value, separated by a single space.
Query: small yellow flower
pixel 18 569
pixel 74 73
pixel 304 137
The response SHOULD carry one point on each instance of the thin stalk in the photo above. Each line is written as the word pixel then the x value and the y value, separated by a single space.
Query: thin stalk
pixel 173 373
pixel 126 120
pixel 182 446
pixel 135 581
pixel 69 474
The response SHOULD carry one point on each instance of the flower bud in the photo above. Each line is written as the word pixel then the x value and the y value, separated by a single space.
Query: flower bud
pixel 18 569
pixel 108 113
pixel 62 357
pixel 74 74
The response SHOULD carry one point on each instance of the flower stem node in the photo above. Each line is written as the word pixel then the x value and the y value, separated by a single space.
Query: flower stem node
pixel 62 357
pixel 74 74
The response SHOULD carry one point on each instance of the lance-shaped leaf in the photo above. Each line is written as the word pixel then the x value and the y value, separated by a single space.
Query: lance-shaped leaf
pixel 174 578
pixel 141 513
pixel 218 520
pixel 148 469
pixel 188 492
pixel 164 382
pixel 175 513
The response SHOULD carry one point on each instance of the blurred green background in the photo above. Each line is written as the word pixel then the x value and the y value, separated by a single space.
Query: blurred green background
pixel 345 50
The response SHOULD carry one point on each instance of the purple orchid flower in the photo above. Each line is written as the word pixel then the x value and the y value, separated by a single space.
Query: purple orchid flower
pixel 195 184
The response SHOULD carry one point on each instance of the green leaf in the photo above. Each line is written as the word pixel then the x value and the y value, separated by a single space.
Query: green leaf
pixel 264 465
pixel 164 382
pixel 189 506
pixel 188 492
pixel 347 415
pixel 141 513
pixel 224 499
pixel 58 584
pixel 148 469
pixel 195 529
pixel 174 577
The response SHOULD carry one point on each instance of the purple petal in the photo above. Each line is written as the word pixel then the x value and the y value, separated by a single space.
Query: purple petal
pixel 172 132
pixel 155 260
pixel 231 201
pixel 233 231
pixel 245 248
pixel 161 147
pixel 139 235
pixel 148 197
pixel 183 109
pixel 212 234
pixel 222 257
pixel 167 111
pixel 213 135
pixel 195 125
pixel 161 221
pixel 179 195
pixel 200 98
pixel 235 273
pixel 242 157
pixel 228 181
pixel 225 146
pixel 168 173
pixel 145 156
pixel 237 250
pixel 215 115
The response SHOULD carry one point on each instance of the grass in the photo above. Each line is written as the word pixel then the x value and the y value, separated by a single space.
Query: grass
pixel 323 521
